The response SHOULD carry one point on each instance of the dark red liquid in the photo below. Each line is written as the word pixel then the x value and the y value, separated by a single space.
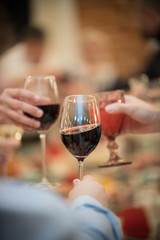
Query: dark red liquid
pixel 50 114
pixel 111 123
pixel 81 141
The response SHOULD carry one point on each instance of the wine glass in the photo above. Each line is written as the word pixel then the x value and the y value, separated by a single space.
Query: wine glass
pixel 111 124
pixel 45 86
pixel 80 126
pixel 11 136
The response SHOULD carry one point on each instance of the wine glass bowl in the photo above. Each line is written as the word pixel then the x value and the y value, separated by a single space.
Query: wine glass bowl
pixel 111 124
pixel 50 114
pixel 46 87
pixel 80 126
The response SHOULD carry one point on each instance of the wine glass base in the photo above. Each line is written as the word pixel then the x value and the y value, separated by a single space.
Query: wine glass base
pixel 115 163
pixel 45 184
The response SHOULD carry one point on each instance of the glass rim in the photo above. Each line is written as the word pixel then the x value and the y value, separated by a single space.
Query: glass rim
pixel 72 98
pixel 40 77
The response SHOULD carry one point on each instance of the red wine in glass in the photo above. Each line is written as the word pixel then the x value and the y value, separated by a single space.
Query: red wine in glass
pixel 80 126
pixel 50 114
pixel 81 141
pixel 111 125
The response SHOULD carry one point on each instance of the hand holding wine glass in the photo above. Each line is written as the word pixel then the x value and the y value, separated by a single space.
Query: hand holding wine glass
pixel 88 186
pixel 44 86
pixel 141 116
pixel 15 101
pixel 80 126
pixel 111 124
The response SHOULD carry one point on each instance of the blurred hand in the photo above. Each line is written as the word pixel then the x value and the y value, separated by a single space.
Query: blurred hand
pixel 141 117
pixel 8 145
pixel 15 101
pixel 88 186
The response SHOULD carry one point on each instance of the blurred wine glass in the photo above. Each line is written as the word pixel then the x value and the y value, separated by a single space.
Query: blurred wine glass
pixel 10 139
pixel 111 125
pixel 80 126
pixel 45 86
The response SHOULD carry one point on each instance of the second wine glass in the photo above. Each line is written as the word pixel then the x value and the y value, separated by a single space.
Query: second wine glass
pixel 111 125
pixel 80 126
pixel 45 86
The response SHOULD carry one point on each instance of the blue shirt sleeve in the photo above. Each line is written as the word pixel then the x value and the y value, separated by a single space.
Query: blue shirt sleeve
pixel 95 221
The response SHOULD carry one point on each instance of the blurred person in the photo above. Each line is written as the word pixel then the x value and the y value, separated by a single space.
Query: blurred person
pixel 141 117
pixel 24 58
pixel 93 71
pixel 14 102
pixel 150 27
pixel 148 20
pixel 27 213
pixel 6 34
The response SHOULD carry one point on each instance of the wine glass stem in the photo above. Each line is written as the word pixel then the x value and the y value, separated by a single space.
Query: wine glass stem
pixel 113 147
pixel 43 146
pixel 80 165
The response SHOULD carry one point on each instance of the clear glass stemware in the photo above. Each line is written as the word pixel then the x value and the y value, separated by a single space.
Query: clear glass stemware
pixel 80 126
pixel 45 86
pixel 111 125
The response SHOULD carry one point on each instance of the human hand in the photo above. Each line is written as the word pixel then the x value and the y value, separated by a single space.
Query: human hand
pixel 15 101
pixel 141 117
pixel 8 145
pixel 88 186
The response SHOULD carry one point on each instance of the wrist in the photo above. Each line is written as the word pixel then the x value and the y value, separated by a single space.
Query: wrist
pixel 81 200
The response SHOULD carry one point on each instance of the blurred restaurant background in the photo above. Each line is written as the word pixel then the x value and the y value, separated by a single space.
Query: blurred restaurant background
pixel 91 46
